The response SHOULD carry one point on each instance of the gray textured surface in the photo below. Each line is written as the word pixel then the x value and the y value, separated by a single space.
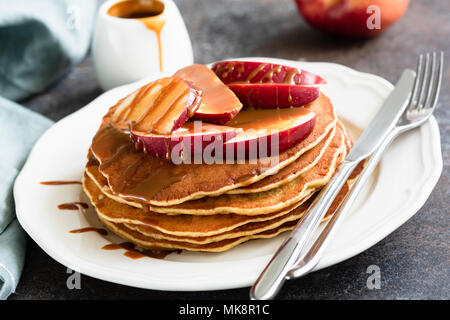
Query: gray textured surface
pixel 414 260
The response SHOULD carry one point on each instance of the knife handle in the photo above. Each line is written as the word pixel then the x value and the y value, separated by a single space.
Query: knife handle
pixel 274 274
pixel 308 261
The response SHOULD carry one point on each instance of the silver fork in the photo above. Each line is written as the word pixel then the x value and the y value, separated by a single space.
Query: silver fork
pixel 422 104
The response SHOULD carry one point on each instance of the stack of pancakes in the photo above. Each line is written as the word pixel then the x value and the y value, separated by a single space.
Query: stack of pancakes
pixel 159 205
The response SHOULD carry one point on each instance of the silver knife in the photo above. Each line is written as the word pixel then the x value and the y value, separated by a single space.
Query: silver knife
pixel 274 274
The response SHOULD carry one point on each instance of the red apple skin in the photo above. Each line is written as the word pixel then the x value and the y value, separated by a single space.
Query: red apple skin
pixel 269 96
pixel 348 18
pixel 216 118
pixel 286 139
pixel 219 104
pixel 247 72
pixel 161 145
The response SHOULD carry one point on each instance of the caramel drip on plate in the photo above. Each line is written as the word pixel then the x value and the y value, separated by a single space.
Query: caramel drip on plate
pixel 149 12
pixel 73 206
pixel 123 245
pixel 100 231
pixel 58 183
pixel 133 253
pixel 141 177
pixel 136 254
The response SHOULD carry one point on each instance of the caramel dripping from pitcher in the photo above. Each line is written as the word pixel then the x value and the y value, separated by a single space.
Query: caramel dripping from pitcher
pixel 149 12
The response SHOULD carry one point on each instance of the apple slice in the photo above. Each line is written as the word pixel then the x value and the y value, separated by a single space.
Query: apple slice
pixel 268 132
pixel 219 104
pixel 259 72
pixel 275 95
pixel 192 138
pixel 159 107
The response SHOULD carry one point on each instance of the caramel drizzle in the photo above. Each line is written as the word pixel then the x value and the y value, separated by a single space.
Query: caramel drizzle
pixel 161 105
pixel 152 16
pixel 113 146
pixel 133 253
pixel 226 69
pixel 100 231
pixel 58 183
pixel 73 206
pixel 156 24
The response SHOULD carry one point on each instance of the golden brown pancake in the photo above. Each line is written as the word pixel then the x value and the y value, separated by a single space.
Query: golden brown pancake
pixel 150 243
pixel 225 241
pixel 135 176
pixel 271 200
pixel 251 204
pixel 308 160
pixel 179 225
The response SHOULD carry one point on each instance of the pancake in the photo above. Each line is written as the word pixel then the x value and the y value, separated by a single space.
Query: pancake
pixel 265 229
pixel 178 225
pixel 254 203
pixel 290 172
pixel 150 243
pixel 134 176
pixel 271 200
pixel 246 229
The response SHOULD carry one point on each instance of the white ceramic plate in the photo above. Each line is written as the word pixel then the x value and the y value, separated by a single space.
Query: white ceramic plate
pixel 398 188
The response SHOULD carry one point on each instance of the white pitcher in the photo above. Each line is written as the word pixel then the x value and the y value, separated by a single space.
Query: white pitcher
pixel 127 49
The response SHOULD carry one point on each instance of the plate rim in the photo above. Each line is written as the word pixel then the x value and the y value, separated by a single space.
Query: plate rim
pixel 242 279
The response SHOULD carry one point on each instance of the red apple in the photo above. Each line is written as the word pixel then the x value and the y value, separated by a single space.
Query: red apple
pixel 219 104
pixel 259 72
pixel 352 18
pixel 268 132
pixel 251 134
pixel 276 95
pixel 193 137
pixel 159 107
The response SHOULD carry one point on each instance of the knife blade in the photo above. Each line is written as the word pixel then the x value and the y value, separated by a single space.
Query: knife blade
pixel 274 274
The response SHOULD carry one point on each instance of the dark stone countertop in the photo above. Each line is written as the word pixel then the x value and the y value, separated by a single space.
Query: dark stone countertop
pixel 414 260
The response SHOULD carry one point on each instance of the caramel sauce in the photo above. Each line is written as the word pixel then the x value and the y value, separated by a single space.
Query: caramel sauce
pixel 261 119
pixel 57 183
pixel 215 94
pixel 155 105
pixel 100 231
pixel 156 254
pixel 141 176
pixel 133 253
pixel 123 245
pixel 149 12
pixel 73 206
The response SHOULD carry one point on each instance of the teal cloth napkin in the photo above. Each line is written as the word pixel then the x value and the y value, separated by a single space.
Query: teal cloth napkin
pixel 19 129
pixel 40 40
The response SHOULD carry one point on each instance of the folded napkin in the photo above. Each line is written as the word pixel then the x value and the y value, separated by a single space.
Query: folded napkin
pixel 40 40
pixel 19 129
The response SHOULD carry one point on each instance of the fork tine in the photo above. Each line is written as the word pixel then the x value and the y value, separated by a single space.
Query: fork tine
pixel 430 82
pixel 416 86
pixel 424 84
pixel 437 87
